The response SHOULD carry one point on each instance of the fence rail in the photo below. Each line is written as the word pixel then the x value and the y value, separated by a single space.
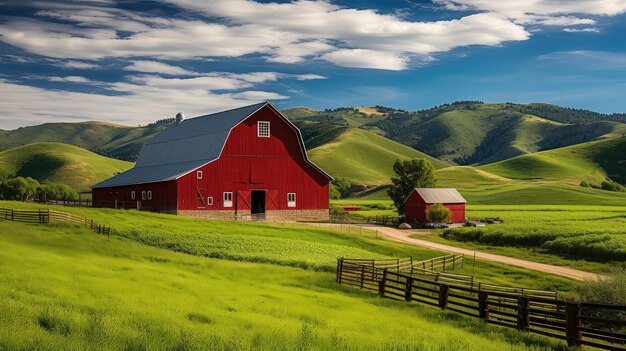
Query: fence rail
pixel 48 216
pixel 384 220
pixel 536 311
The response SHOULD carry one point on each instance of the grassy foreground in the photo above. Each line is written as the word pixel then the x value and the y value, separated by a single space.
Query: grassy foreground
pixel 65 288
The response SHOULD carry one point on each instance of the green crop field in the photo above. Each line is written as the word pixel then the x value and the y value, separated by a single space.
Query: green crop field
pixel 586 237
pixel 60 163
pixel 66 288
pixel 363 157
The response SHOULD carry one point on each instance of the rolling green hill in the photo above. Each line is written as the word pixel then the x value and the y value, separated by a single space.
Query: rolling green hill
pixel 60 163
pixel 592 162
pixel 120 142
pixel 363 157
pixel 477 133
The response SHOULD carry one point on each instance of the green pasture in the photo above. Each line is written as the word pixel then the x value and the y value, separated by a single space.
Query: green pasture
pixel 66 288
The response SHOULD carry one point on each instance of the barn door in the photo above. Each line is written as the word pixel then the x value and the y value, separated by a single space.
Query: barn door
pixel 271 200
pixel 243 200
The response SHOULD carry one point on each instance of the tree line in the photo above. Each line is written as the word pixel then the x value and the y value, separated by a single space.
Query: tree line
pixel 27 189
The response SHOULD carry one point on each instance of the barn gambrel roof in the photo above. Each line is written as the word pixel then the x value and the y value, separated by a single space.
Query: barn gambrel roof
pixel 189 145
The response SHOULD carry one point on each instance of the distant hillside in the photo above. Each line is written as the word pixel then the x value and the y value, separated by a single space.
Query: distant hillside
pixel 476 133
pixel 592 162
pixel 364 157
pixel 120 142
pixel 60 163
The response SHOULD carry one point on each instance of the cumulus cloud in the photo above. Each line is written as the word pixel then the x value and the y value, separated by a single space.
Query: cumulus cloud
pixel 76 64
pixel 280 32
pixel 147 66
pixel 140 98
pixel 578 30
pixel 542 12
pixel 366 59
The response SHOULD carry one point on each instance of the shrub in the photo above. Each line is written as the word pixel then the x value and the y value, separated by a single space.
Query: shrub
pixel 612 186
pixel 439 214
pixel 610 290
pixel 584 184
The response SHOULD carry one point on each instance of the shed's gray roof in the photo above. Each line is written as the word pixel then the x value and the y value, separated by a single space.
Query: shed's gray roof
pixel 440 195
pixel 183 147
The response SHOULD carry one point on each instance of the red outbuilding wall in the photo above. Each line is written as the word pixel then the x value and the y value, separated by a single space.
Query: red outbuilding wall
pixel 416 208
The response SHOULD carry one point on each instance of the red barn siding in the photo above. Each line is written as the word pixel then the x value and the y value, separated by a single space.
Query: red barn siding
pixel 163 196
pixel 275 164
pixel 416 209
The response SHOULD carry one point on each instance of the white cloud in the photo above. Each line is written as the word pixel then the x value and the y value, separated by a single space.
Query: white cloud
pixel 366 59
pixel 280 32
pixel 594 60
pixel 156 67
pixel 577 30
pixel 139 99
pixel 76 64
pixel 542 12
pixel 70 79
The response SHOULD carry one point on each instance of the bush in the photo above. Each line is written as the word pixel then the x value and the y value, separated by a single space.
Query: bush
pixel 612 186
pixel 439 214
pixel 584 184
pixel 610 290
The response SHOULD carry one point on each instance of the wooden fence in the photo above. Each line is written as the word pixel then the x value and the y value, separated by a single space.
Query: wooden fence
pixel 48 216
pixel 536 311
pixel 384 220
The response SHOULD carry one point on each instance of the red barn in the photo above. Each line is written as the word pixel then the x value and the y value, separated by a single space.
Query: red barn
pixel 420 200
pixel 244 163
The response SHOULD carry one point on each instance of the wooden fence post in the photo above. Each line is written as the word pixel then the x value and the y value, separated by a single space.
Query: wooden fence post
pixel 362 275
pixel 572 323
pixel 443 296
pixel 12 216
pixel 453 261
pixel 483 309
pixel 383 283
pixel 408 290
pixel 444 263
pixel 523 314
pixel 339 269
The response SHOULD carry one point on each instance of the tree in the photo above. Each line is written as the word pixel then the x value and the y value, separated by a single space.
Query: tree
pixel 439 214
pixel 410 174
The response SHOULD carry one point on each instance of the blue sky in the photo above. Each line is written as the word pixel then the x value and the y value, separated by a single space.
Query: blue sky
pixel 136 62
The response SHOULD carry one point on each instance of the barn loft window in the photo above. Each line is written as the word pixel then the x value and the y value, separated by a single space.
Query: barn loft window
pixel 263 129
pixel 132 195
pixel 143 195
pixel 228 199
pixel 149 194
pixel 291 199
pixel 209 200
pixel 199 174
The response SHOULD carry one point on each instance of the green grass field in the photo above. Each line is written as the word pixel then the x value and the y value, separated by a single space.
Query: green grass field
pixel 364 157
pixel 60 163
pixel 66 288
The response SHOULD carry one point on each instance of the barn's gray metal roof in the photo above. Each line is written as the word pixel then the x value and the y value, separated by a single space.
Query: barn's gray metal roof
pixel 440 195
pixel 183 147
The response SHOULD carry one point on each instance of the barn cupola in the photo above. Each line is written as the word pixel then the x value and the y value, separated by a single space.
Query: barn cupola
pixel 180 117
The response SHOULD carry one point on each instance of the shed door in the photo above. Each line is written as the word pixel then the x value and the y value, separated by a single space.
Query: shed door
pixel 272 200
pixel 243 200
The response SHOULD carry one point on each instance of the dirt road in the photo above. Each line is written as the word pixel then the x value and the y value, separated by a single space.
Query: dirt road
pixel 403 237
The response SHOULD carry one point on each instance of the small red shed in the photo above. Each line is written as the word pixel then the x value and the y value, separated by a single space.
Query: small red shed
pixel 245 163
pixel 420 200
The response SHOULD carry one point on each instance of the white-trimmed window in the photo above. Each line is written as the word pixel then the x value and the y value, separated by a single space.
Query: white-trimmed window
pixel 149 194
pixel 228 199
pixel 209 201
pixel 291 199
pixel 143 195
pixel 199 174
pixel 132 195
pixel 263 129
